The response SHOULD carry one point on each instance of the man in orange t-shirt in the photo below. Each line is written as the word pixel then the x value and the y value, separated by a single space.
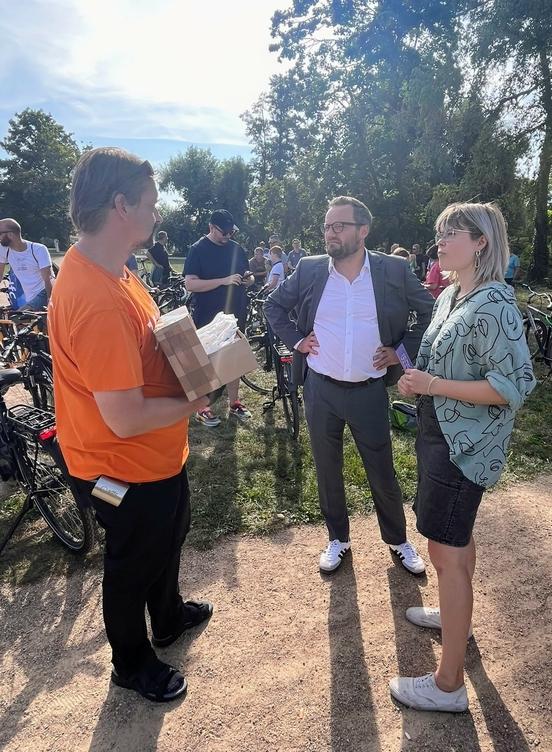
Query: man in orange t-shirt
pixel 122 413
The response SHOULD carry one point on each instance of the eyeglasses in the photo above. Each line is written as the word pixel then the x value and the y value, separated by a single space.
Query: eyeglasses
pixel 225 234
pixel 447 236
pixel 338 227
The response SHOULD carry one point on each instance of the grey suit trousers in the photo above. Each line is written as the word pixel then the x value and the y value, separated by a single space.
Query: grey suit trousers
pixel 329 407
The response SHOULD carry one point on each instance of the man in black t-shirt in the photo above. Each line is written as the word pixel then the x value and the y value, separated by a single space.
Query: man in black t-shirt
pixel 217 273
pixel 159 257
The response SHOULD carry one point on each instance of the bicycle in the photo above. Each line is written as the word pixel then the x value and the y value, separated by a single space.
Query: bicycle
pixel 144 272
pixel 284 389
pixel 173 295
pixel 30 453
pixel 538 328
pixel 27 349
pixel 257 335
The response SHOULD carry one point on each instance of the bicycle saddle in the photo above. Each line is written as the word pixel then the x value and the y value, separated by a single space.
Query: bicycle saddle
pixel 9 376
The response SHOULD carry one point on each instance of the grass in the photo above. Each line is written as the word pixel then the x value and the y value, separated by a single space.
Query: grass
pixel 253 478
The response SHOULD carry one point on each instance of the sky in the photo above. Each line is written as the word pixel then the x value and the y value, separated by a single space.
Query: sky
pixel 150 75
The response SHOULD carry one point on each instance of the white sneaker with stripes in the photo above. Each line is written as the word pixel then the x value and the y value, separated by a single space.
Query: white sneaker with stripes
pixel 410 558
pixel 331 558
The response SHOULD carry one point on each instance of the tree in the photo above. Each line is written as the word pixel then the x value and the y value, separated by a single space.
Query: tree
pixel 382 101
pixel 203 183
pixel 512 44
pixel 193 176
pixel 35 178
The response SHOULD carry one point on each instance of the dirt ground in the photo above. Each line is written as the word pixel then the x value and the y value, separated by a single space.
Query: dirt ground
pixel 292 660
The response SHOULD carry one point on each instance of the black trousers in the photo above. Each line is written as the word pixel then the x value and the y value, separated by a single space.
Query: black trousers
pixel 143 541
pixel 329 407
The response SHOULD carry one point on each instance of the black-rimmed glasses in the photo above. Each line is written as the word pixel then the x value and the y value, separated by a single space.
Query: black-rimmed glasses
pixel 338 227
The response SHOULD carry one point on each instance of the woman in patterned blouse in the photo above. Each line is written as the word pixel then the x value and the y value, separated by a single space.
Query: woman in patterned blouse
pixel 472 374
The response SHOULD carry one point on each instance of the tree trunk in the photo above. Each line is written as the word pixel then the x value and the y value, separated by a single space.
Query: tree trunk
pixel 538 269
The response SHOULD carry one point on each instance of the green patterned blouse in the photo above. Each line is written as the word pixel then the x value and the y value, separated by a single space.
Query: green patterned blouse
pixel 479 337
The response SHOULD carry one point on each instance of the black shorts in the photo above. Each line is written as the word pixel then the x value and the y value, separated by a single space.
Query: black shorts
pixel 446 501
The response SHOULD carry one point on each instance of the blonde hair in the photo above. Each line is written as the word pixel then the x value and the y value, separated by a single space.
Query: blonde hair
pixel 480 219
pixel 99 176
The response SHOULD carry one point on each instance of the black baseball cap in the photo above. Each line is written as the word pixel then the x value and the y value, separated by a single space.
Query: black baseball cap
pixel 223 219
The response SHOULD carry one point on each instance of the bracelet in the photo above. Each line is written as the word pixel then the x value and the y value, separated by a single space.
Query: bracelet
pixel 429 385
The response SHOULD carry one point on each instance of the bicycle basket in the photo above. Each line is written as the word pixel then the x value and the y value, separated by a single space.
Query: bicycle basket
pixel 403 416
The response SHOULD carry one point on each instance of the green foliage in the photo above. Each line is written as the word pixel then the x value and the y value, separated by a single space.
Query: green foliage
pixel 203 183
pixel 380 103
pixel 35 177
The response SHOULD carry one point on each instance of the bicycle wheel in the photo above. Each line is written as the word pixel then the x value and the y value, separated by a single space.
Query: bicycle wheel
pixel 290 401
pixel 536 333
pixel 54 498
pixel 263 352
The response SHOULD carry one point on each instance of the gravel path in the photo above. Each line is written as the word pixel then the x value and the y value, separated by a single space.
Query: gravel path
pixel 292 660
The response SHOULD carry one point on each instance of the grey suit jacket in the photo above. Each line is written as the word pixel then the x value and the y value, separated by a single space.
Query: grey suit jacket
pixel 397 292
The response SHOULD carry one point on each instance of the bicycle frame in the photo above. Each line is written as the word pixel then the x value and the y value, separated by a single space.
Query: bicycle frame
pixel 538 324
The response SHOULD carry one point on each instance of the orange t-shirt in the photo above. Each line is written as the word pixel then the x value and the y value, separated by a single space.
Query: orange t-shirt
pixel 101 339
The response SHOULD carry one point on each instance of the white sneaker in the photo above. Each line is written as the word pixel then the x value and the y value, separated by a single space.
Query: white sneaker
pixel 410 558
pixel 422 616
pixel 332 557
pixel 422 693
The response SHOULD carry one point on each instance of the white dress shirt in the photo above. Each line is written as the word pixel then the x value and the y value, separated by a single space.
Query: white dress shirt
pixel 346 327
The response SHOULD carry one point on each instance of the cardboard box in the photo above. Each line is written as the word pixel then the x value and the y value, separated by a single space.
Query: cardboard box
pixel 198 372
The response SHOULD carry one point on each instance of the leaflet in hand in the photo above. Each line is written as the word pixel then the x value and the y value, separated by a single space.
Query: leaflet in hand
pixel 403 357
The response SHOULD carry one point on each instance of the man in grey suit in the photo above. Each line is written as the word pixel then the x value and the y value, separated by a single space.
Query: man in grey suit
pixel 350 312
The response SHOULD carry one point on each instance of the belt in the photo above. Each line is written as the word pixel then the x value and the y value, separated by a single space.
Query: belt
pixel 349 384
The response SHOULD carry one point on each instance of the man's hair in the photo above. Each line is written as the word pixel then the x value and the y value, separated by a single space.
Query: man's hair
pixel 161 235
pixel 478 220
pixel 258 248
pixel 361 212
pixel 99 176
pixel 401 252
pixel 13 225
pixel 276 250
pixel 296 240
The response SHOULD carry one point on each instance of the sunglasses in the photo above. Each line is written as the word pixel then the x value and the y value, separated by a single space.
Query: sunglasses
pixel 225 233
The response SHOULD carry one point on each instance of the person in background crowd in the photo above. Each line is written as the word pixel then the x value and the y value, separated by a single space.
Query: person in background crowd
pixel 295 255
pixel 394 247
pixel 30 263
pixel 351 310
pixel 159 257
pixel 412 262
pixel 420 261
pixel 273 240
pixel 121 413
pixel 217 273
pixel 512 269
pixel 435 282
pixel 276 274
pixel 257 265
pixel 402 252
pixel 472 374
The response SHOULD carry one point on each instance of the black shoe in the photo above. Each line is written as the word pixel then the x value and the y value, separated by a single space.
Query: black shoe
pixel 162 685
pixel 195 612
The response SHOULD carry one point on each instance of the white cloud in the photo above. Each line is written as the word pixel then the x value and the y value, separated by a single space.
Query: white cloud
pixel 171 68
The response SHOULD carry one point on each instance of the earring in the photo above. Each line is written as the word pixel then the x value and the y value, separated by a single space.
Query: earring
pixel 477 259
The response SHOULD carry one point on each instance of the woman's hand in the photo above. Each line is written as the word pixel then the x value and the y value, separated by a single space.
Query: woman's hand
pixel 414 382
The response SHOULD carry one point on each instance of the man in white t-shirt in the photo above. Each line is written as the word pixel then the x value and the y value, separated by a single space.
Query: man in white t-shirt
pixel 30 263
pixel 276 274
